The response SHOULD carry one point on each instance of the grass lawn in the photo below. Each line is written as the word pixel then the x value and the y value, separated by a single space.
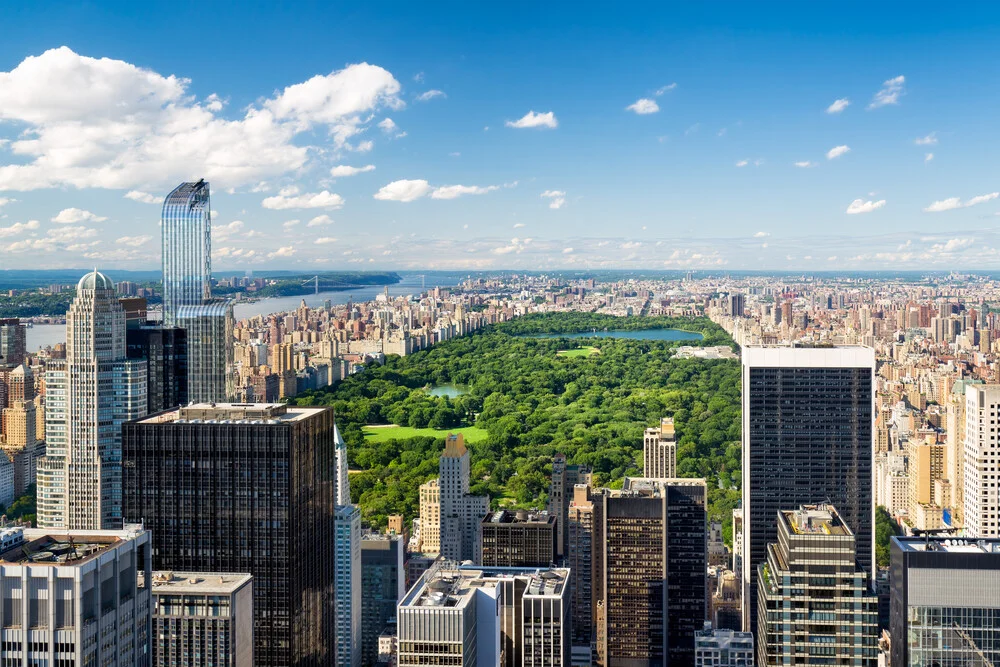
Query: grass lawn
pixel 584 351
pixel 383 433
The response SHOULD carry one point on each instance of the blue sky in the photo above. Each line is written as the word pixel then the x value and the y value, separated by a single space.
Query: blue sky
pixel 144 96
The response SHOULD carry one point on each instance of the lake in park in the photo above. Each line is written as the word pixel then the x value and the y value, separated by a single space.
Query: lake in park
pixel 644 334
pixel 449 390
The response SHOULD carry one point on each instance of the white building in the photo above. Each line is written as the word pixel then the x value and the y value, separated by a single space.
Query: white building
pixel 84 595
pixel 982 458
pixel 347 595
pixel 723 648
pixel 659 451
pixel 7 495
pixel 87 398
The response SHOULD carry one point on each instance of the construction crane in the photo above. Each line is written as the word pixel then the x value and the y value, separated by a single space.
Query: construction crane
pixel 315 281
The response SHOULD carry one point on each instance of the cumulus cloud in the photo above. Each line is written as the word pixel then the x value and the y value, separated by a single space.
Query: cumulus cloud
pixel 742 163
pixel 567 251
pixel 643 106
pixel 290 198
pixel 323 240
pixel 72 216
pixel 133 241
pixel 532 119
pixel 342 170
pixel 557 197
pixel 404 190
pixel 100 122
pixel 6 200
pixel 929 140
pixel 952 245
pixel 519 225
pixel 837 151
pixel 861 206
pixel 805 164
pixel 430 95
pixel 455 191
pixel 142 197
pixel 954 202
pixel 284 251
pixel 289 224
pixel 320 221
pixel 889 93
pixel 838 105
pixel 18 228
pixel 389 127
pixel 225 231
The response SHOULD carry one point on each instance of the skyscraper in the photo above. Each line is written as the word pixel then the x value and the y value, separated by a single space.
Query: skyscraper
pixel 583 559
pixel 13 339
pixel 245 488
pixel 461 512
pixel 347 590
pixel 564 477
pixel 518 539
pixel 89 395
pixel 808 415
pixel 982 458
pixel 165 352
pixel 186 229
pixel 382 586
pixel 659 451
pixel 654 547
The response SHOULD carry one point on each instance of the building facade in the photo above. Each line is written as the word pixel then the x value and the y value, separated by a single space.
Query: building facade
pixel 564 477
pixel 13 342
pixel 347 591
pixel 165 352
pixel 519 539
pixel 245 488
pixel 461 512
pixel 202 619
pixel 383 577
pixel 808 415
pixel 89 395
pixel 982 459
pixel 659 451
pixel 582 558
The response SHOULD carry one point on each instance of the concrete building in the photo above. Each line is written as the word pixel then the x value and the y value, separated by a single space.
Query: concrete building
pixel 583 553
pixel 564 477
pixel 430 517
pixel 945 602
pixel 347 589
pixel 245 488
pixel 519 539
pixel 926 467
pixel 382 587
pixel 75 598
pixel 834 617
pixel 982 461
pixel 723 648
pixel 659 451
pixel 13 342
pixel 654 550
pixel 461 512
pixel 808 415
pixel 738 546
pixel 88 396
pixel 202 619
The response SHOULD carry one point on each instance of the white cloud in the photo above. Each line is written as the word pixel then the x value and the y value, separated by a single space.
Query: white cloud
pixel 805 164
pixel 320 221
pixel 838 105
pixel 665 89
pixel 134 241
pixel 889 93
pixel 289 224
pixel 289 198
pixel 71 216
pixel 430 95
pixel 323 240
pixel 18 228
pixel 643 106
pixel 928 157
pixel 837 151
pixel 742 163
pixel 952 245
pixel 284 251
pixel 954 202
pixel 567 251
pixel 403 190
pixel 532 119
pixel 106 123
pixel 342 170
pixel 557 197
pixel 362 146
pixel 225 231
pixel 455 191
pixel 388 125
pixel 761 235
pixel 929 140
pixel 6 200
pixel 861 206
pixel 71 234
pixel 519 225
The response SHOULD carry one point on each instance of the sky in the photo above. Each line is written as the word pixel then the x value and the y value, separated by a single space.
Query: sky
pixel 514 135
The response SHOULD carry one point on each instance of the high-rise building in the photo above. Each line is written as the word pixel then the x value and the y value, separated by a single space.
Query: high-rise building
pixel 382 587
pixel 982 461
pixel 461 512
pixel 834 617
pixel 519 539
pixel 201 619
pixel 582 559
pixel 186 229
pixel 808 414
pixel 347 590
pixel 75 598
pixel 655 585
pixel 20 444
pixel 723 648
pixel 564 477
pixel 926 469
pixel 659 451
pixel 945 601
pixel 737 304
pixel 343 479
pixel 738 548
pixel 165 352
pixel 509 617
pixel 430 517
pixel 245 488
pixel 13 342
pixel 88 396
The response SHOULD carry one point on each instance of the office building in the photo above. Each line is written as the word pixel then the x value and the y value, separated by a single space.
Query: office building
pixel 583 553
pixel 202 619
pixel 519 539
pixel 347 590
pixel 245 488
pixel 430 517
pixel 209 326
pixel 945 602
pixel 564 477
pixel 815 603
pixel 75 598
pixel 982 461
pixel 654 557
pixel 723 648
pixel 88 396
pixel 808 414
pixel 926 470
pixel 340 460
pixel 659 451
pixel 508 617
pixel 461 512
pixel 737 304
pixel 382 587
pixel 165 352
pixel 20 444
pixel 13 342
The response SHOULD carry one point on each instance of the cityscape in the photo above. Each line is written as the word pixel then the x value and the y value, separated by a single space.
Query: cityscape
pixel 243 442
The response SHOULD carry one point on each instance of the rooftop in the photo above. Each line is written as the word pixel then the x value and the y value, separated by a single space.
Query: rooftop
pixel 62 547
pixel 650 486
pixel 207 583
pixel 454 588
pixel 454 446
pixel 949 545
pixel 520 516
pixel 232 413
pixel 815 520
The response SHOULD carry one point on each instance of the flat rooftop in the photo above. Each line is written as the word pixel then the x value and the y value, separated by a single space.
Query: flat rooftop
pixel 198 583
pixel 63 547
pixel 514 517
pixel 949 545
pixel 653 486
pixel 815 520
pixel 232 413
pixel 455 588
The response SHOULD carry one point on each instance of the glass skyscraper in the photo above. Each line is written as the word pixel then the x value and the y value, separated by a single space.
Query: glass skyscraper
pixel 186 226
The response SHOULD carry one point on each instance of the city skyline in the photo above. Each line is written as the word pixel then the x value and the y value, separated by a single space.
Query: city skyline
pixel 762 140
